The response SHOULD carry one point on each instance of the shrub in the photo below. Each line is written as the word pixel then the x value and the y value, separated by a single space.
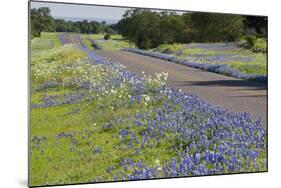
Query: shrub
pixel 250 41
pixel 107 36
pixel 260 46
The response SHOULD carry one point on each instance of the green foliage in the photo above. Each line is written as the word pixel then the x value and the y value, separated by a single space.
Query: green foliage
pixel 141 27
pixel 172 28
pixel 168 48
pixel 41 20
pixel 260 46
pixel 56 160
pixel 84 27
pixel 148 29
pixel 47 41
pixel 256 63
pixel 79 27
pixel 116 42
pixel 107 36
pixel 258 23
pixel 213 27
pixel 251 42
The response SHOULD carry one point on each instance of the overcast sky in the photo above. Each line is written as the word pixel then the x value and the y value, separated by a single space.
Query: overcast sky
pixel 59 10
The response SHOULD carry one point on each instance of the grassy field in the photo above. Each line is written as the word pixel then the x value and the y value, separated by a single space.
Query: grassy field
pixel 69 133
pixel 93 122
pixel 219 53
pixel 115 43
pixel 45 42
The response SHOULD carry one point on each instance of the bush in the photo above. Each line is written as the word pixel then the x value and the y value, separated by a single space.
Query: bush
pixel 260 46
pixel 250 41
pixel 107 36
pixel 169 49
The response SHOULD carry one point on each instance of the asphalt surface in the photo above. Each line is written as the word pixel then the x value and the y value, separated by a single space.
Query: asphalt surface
pixel 234 94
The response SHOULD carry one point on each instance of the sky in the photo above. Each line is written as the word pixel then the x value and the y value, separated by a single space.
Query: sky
pixel 74 12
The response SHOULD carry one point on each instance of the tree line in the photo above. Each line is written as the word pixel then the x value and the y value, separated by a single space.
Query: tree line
pixel 148 29
pixel 84 26
pixel 155 28
pixel 41 20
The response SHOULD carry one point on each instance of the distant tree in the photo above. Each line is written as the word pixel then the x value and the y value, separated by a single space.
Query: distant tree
pixel 95 27
pixel 41 20
pixel 113 28
pixel 76 28
pixel 84 26
pixel 108 30
pixel 61 25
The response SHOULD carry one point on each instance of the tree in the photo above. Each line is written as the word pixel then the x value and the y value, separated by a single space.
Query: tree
pixel 61 25
pixel 41 20
pixel 259 23
pixel 171 28
pixel 214 27
pixel 148 29
pixel 76 28
pixel 141 27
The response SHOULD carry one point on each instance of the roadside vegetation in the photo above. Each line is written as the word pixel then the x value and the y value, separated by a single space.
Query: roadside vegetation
pixel 244 60
pixel 92 120
pixel 47 41
pixel 208 38
pixel 157 28
pixel 116 42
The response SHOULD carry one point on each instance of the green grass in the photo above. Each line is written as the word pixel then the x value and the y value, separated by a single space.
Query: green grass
pixel 115 43
pixel 46 41
pixel 71 160
pixel 256 65
pixel 260 45
pixel 61 164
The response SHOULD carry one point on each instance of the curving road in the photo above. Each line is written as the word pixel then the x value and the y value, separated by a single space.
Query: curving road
pixel 234 94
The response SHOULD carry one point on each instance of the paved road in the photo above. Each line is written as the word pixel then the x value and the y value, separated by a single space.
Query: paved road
pixel 234 94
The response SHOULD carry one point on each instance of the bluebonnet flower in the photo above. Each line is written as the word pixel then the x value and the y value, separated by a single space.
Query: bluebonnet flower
pixel 217 68
pixel 205 139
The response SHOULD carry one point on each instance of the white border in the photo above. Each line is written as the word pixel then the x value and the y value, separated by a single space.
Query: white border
pixel 13 99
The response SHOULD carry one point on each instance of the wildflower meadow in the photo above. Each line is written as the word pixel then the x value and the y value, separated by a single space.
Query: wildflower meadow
pixel 92 120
